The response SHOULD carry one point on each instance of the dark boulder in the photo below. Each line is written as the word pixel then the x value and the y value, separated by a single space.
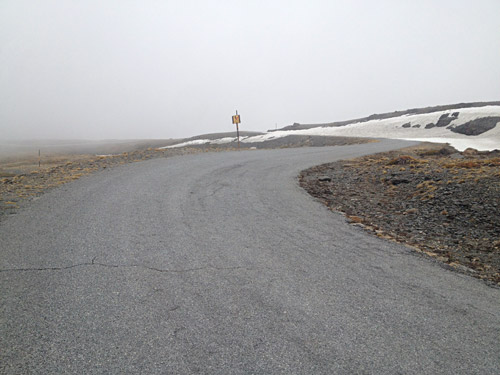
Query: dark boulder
pixel 477 126
pixel 445 120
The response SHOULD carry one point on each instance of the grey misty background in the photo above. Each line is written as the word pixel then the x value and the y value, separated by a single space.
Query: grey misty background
pixel 170 69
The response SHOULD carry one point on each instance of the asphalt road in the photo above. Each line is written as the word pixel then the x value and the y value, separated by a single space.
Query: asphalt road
pixel 219 263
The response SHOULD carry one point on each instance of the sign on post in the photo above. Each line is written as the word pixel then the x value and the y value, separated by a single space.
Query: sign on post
pixel 236 120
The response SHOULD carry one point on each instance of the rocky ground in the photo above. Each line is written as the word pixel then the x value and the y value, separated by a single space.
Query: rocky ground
pixel 443 203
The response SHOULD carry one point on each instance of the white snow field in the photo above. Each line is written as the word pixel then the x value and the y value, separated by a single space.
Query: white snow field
pixel 393 128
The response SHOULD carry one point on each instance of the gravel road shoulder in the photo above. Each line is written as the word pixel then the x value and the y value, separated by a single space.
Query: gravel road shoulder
pixel 442 202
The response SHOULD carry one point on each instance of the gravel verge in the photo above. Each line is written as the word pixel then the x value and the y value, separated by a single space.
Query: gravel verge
pixel 443 203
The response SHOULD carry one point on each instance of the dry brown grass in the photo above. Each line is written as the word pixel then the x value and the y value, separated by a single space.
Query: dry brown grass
pixel 475 163
pixel 443 204
pixel 10 167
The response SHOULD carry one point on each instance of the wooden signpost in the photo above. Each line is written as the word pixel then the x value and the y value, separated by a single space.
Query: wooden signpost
pixel 236 120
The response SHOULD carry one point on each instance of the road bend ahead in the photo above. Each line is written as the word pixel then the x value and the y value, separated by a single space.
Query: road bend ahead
pixel 219 263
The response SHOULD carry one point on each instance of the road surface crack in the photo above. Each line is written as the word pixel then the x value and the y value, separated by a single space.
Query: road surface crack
pixel 93 263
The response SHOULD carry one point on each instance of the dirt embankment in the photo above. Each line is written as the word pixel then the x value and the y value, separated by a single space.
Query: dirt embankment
pixel 444 203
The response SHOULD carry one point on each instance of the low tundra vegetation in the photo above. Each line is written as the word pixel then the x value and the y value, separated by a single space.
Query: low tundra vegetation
pixel 442 202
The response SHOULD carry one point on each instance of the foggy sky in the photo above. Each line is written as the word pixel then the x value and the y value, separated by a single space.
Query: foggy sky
pixel 98 69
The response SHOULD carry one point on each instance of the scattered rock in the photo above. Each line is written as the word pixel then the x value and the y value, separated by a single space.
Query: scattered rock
pixel 440 201
pixel 444 120
pixel 355 219
pixel 397 181
pixel 470 152
pixel 477 126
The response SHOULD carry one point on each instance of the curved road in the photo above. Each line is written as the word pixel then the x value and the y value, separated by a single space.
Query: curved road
pixel 219 263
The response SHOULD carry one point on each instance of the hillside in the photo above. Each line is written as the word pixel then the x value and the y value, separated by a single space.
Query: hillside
pixel 384 116
pixel 465 125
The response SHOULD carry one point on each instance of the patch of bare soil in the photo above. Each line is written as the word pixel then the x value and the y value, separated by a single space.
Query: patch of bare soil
pixel 444 203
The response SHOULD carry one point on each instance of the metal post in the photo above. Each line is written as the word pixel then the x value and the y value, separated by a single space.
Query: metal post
pixel 238 132
pixel 38 158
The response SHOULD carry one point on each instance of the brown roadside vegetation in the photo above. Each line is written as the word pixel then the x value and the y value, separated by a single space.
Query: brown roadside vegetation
pixel 444 203
pixel 21 179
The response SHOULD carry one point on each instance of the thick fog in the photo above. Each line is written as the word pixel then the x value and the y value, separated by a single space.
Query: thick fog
pixel 160 69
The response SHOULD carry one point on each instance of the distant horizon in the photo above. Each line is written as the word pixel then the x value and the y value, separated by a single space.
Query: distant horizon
pixel 481 103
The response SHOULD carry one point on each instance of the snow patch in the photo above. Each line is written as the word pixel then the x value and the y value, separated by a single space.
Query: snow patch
pixel 461 144
pixel 188 143
pixel 393 128
pixel 194 142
